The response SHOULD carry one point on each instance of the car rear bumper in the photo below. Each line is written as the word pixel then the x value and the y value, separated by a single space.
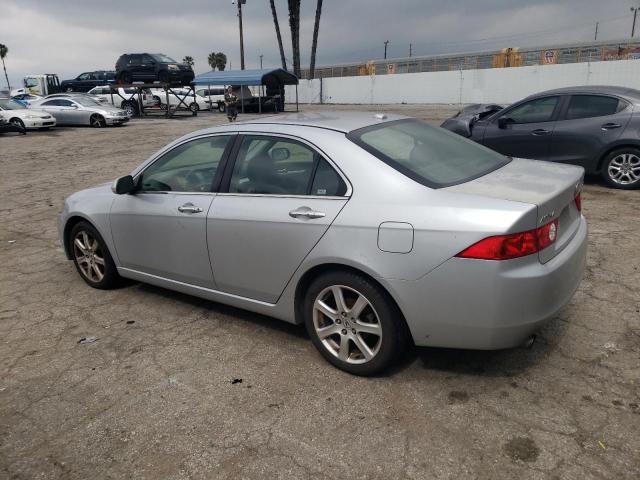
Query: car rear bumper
pixel 489 305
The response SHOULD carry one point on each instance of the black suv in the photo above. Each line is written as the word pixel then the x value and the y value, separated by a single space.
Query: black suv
pixel 86 81
pixel 152 67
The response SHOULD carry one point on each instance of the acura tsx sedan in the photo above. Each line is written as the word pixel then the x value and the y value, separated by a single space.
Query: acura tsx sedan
pixel 375 231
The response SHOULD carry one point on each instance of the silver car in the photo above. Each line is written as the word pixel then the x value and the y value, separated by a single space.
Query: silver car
pixel 374 231
pixel 81 110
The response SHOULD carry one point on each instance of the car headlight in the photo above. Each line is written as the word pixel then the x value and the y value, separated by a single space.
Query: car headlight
pixel 32 116
pixel 173 67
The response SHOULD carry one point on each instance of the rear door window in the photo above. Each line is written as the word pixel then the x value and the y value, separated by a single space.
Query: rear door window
pixel 586 106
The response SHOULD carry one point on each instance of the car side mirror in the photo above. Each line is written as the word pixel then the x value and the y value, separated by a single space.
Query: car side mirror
pixel 123 185
pixel 503 122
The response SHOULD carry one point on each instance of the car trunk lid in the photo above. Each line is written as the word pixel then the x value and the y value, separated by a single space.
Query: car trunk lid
pixel 550 186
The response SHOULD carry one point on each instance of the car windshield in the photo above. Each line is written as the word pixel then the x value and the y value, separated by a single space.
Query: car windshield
pixel 6 104
pixel 163 58
pixel 429 155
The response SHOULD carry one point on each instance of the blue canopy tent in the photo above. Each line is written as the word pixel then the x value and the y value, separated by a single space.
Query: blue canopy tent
pixel 273 79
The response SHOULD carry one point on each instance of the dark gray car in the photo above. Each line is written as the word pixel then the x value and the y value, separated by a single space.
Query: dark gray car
pixel 596 127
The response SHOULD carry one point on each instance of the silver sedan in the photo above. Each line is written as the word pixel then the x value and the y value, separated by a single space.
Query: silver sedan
pixel 81 110
pixel 374 231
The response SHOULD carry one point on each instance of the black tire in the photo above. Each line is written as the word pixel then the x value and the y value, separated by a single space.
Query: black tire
pixel 222 107
pixel 125 77
pixel 388 348
pixel 110 278
pixel 130 107
pixel 163 76
pixel 18 123
pixel 97 121
pixel 68 89
pixel 621 168
pixel 194 107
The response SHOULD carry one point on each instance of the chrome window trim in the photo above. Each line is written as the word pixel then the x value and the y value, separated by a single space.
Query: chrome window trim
pixel 317 149
pixel 279 195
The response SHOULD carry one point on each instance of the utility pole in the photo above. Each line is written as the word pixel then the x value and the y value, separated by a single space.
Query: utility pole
pixel 386 42
pixel 261 61
pixel 240 3
pixel 410 45
pixel 595 37
pixel 635 14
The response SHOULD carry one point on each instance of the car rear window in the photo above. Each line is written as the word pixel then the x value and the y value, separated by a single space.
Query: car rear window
pixel 586 106
pixel 431 156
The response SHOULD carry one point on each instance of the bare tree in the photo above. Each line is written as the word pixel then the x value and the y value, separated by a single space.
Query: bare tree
pixel 3 53
pixel 314 44
pixel 275 22
pixel 294 26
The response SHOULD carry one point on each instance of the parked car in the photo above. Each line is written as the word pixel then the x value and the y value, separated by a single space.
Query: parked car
pixel 26 98
pixel 6 127
pixel 178 97
pixel 215 94
pixel 595 127
pixel 152 67
pixel 125 98
pixel 86 81
pixel 39 84
pixel 82 110
pixel 20 115
pixel 372 230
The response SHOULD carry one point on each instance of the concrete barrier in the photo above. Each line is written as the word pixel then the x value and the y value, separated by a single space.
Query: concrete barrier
pixel 494 85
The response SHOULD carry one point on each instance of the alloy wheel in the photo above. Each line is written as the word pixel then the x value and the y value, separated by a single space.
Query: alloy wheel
pixel 347 324
pixel 97 121
pixel 89 256
pixel 624 169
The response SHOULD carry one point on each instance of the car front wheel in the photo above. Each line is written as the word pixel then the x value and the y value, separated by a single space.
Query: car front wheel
pixel 97 121
pixel 17 122
pixel 621 168
pixel 354 324
pixel 91 257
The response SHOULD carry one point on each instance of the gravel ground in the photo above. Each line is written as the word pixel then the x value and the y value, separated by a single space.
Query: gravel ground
pixel 154 397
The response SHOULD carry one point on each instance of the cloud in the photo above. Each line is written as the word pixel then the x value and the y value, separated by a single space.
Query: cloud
pixel 69 37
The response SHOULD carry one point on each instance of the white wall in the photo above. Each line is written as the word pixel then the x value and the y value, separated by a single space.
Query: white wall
pixel 499 85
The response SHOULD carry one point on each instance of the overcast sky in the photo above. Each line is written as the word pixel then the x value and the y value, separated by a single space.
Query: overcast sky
pixel 69 37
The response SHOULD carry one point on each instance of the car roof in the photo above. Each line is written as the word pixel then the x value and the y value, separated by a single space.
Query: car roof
pixel 345 121
pixel 625 92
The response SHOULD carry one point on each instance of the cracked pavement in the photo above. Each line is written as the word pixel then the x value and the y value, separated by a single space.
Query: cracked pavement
pixel 153 397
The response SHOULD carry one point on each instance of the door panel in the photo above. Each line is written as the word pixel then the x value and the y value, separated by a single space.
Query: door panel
pixel 256 245
pixel 152 235
pixel 581 140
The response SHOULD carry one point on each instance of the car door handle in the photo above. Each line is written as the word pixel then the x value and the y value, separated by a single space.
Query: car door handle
pixel 540 131
pixel 610 126
pixel 305 212
pixel 189 208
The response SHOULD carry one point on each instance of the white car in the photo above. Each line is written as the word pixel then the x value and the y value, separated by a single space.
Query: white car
pixel 125 98
pixel 200 103
pixel 28 118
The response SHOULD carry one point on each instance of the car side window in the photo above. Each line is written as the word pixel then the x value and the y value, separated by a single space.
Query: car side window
pixel 190 167
pixel 586 106
pixel 282 166
pixel 50 103
pixel 534 111
pixel 147 60
pixel 84 76
pixel 64 103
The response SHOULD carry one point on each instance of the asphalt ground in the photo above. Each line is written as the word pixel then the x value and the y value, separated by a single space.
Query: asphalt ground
pixel 181 388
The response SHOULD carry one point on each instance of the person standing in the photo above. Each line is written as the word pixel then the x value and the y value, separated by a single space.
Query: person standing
pixel 231 104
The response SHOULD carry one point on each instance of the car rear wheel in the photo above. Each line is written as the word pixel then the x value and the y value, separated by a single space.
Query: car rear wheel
pixel 69 89
pixel 17 122
pixel 130 108
pixel 621 168
pixel 97 121
pixel 91 257
pixel 353 323
pixel 222 107
pixel 194 107
pixel 125 77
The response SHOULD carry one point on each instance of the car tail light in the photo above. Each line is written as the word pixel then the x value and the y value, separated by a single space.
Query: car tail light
pixel 514 245
pixel 579 202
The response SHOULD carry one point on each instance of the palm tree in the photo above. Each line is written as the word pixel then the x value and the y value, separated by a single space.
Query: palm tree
pixel 314 44
pixel 275 22
pixel 189 61
pixel 211 60
pixel 221 61
pixel 3 53
pixel 294 26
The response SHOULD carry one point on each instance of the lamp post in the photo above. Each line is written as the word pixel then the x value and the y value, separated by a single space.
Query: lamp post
pixel 635 15
pixel 240 3
pixel 386 42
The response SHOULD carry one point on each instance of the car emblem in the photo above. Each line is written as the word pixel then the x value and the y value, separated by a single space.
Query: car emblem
pixel 547 217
